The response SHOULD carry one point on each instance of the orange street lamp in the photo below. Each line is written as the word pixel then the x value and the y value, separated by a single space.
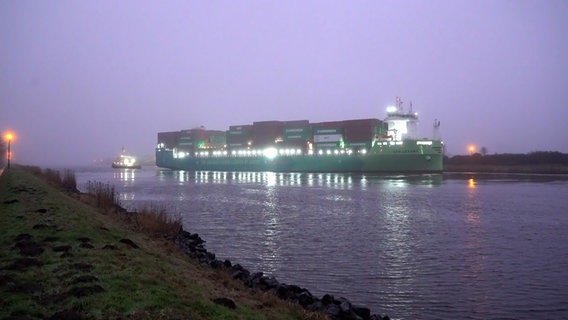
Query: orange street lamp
pixel 471 149
pixel 9 137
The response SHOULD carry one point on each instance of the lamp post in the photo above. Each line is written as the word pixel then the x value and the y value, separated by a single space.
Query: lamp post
pixel 9 156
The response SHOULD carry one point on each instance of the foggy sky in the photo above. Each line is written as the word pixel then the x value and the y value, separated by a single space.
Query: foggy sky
pixel 81 79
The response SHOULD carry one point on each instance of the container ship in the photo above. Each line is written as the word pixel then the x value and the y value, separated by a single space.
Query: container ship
pixel 360 145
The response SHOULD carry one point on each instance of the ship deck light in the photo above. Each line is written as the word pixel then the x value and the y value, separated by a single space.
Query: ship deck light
pixel 270 153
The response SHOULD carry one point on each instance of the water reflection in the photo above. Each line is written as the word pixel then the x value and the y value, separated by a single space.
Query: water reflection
pixel 341 181
pixel 471 183
pixel 125 175
pixel 269 253
pixel 398 247
pixel 472 205
pixel 475 246
pixel 127 196
pixel 128 179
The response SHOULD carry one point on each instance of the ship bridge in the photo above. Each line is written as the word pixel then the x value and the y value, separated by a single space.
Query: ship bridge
pixel 401 125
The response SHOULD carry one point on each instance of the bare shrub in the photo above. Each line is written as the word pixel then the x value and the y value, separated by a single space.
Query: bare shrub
pixel 157 221
pixel 33 169
pixel 105 194
pixel 68 181
pixel 52 176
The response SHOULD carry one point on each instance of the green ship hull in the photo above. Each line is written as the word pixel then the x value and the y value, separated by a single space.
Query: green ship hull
pixel 413 156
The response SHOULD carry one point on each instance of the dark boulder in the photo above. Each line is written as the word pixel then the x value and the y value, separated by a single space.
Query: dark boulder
pixel 344 305
pixel 327 299
pixel 305 299
pixel 216 264
pixel 333 311
pixel 240 273
pixel 336 309
pixel 361 311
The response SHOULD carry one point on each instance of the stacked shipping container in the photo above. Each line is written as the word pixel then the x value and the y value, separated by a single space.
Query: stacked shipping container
pixel 168 140
pixel 192 140
pixel 359 134
pixel 238 136
pixel 354 134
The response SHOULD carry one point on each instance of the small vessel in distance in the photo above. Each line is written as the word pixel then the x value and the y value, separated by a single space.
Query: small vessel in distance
pixel 359 145
pixel 125 161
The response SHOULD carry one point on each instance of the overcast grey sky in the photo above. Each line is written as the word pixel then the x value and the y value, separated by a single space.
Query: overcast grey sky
pixel 81 79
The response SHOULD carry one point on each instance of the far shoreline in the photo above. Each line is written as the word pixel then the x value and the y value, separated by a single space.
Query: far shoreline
pixel 540 162
pixel 503 169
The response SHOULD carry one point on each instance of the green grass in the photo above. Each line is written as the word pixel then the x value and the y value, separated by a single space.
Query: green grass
pixel 155 281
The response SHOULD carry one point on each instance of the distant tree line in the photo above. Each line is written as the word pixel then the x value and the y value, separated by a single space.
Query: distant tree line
pixel 508 159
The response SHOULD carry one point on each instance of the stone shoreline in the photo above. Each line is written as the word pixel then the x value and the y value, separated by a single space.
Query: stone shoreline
pixel 335 308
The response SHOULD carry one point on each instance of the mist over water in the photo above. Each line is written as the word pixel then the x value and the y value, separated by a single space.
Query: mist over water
pixel 413 247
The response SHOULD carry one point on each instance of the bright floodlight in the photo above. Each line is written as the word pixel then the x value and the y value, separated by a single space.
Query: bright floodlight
pixel 391 109
pixel 270 153
pixel 9 137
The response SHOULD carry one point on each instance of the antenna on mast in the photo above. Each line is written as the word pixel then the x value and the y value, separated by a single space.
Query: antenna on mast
pixel 399 104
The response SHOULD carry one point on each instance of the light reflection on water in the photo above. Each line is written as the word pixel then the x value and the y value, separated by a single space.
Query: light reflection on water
pixel 128 178
pixel 428 247
pixel 125 175
pixel 340 181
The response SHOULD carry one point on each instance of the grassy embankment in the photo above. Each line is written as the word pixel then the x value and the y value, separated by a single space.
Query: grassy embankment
pixel 63 258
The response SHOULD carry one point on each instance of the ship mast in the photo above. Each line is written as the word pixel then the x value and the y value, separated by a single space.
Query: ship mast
pixel 436 127
pixel 399 105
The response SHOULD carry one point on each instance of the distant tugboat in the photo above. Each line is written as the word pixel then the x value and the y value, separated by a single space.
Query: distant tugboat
pixel 125 161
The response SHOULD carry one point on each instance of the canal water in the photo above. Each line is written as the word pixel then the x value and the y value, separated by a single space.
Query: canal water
pixel 446 246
